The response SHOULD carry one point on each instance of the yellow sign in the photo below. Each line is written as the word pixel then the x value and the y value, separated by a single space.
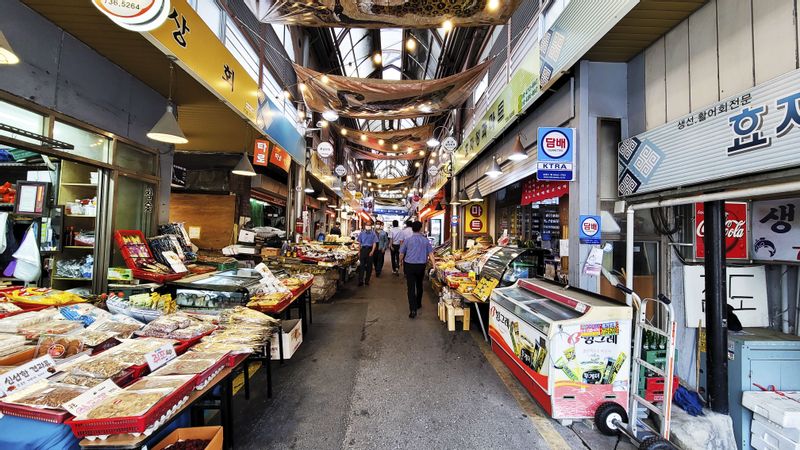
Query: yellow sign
pixel 475 221
pixel 359 195
pixel 485 287
pixel 198 50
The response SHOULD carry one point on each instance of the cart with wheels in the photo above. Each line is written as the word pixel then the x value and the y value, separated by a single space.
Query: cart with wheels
pixel 610 417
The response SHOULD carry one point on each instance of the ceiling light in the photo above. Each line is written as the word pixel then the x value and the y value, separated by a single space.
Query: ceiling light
pixel 411 44
pixel 494 169
pixel 476 195
pixel 377 58
pixel 363 137
pixel 287 94
pixel 369 174
pixel 518 152
pixel 433 142
pixel 7 55
pixel 395 146
pixel 381 142
pixel 358 175
pixel 360 181
pixel 344 132
pixel 167 129
pixel 330 115
pixel 308 189
pixel 302 87
pixel 433 153
pixel 323 124
pixel 322 197
pixel 244 168
pixel 425 108
pixel 447 26
pixel 325 79
pixel 433 160
pixel 409 150
pixel 493 5
pixel 416 164
pixel 422 153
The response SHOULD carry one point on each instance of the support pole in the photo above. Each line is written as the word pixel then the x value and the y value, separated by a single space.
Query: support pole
pixel 454 208
pixel 716 299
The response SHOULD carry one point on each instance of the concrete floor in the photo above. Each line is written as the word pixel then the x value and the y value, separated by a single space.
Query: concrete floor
pixel 368 377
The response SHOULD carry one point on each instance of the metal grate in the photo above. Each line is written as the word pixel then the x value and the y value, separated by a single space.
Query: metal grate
pixel 45 141
pixel 498 50
pixel 524 16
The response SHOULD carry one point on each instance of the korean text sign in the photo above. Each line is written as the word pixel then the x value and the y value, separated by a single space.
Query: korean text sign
pixel 776 230
pixel 475 221
pixel 556 154
pixel 28 373
pixel 260 152
pixel 589 229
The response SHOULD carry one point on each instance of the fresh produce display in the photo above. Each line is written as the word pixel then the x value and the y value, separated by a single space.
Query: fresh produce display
pixel 7 193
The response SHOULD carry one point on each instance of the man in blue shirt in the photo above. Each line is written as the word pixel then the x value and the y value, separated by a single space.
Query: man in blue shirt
pixel 368 241
pixel 415 252
pixel 380 252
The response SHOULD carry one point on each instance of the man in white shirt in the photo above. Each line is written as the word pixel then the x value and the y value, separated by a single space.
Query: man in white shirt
pixel 404 234
pixel 394 246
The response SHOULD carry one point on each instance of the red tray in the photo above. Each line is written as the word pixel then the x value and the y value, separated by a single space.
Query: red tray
pixel 135 424
pixel 202 376
pixel 654 388
pixel 129 259
pixel 29 412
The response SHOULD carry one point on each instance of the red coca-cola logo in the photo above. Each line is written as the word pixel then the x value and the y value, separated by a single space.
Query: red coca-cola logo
pixel 735 230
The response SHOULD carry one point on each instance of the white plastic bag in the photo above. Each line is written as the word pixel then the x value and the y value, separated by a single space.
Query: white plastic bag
pixel 29 263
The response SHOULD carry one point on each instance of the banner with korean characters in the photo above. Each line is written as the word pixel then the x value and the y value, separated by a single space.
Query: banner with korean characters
pixel 736 243
pixel 747 295
pixel 752 132
pixel 776 230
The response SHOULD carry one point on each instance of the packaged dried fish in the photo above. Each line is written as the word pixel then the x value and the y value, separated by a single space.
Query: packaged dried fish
pixel 160 382
pixel 127 404
pixel 49 395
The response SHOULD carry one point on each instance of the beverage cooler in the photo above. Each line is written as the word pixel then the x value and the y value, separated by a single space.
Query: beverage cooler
pixel 569 348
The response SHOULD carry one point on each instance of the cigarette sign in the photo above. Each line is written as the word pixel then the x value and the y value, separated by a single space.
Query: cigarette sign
pixel 590 229
pixel 556 154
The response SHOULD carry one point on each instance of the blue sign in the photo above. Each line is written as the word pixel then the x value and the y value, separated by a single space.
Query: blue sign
pixel 454 220
pixel 281 130
pixel 556 154
pixel 589 229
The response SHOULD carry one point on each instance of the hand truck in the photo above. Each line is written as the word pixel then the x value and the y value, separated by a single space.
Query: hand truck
pixel 611 418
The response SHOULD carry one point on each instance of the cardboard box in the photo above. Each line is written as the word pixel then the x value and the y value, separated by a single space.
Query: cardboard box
pixel 270 251
pixel 214 434
pixel 292 338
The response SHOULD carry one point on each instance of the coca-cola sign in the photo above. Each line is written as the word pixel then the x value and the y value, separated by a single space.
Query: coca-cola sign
pixel 735 230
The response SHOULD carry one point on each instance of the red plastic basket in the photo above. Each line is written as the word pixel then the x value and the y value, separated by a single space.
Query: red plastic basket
pixel 201 377
pixel 119 236
pixel 137 424
pixel 654 388
pixel 29 412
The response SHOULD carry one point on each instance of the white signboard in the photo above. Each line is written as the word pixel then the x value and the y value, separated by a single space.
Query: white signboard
pixel 433 171
pixel 747 294
pixel 27 374
pixel 160 356
pixel 135 15
pixel 755 131
pixel 340 170
pixel 450 144
pixel 325 149
pixel 776 230
pixel 85 402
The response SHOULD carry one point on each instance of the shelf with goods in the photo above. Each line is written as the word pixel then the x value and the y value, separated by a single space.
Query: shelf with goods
pixel 76 182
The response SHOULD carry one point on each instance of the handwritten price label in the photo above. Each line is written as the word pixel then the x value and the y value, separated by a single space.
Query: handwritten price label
pixel 160 356
pixel 28 374
pixel 85 402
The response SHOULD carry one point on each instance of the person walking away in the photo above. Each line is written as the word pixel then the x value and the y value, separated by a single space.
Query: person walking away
pixel 415 252
pixel 380 251
pixel 394 246
pixel 367 241
pixel 405 233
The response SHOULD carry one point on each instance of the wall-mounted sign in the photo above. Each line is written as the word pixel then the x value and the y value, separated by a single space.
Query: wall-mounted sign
pixel 450 144
pixel 325 149
pixel 735 231
pixel 358 195
pixel 433 171
pixel 589 230
pixel 752 132
pixel 135 15
pixel 747 294
pixel 351 186
pixel 279 158
pixel 261 152
pixel 776 230
pixel 475 221
pixel 340 170
pixel 556 154
pixel 179 176
pixel 454 220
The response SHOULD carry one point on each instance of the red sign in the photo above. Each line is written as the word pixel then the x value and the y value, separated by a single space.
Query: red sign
pixel 534 190
pixel 476 210
pixel 279 157
pixel 735 230
pixel 260 152
pixel 476 225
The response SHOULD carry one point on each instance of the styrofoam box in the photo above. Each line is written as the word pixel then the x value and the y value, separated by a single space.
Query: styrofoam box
pixel 783 411
pixel 292 338
pixel 772 435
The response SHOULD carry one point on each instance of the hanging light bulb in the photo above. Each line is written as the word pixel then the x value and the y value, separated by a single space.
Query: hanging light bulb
pixel 287 94
pixel 308 189
pixel 323 124
pixel 493 5
pixel 395 146
pixel 302 87
pixel 447 26
pixel 381 142
pixel 344 131
pixel 476 195
pixel 411 44
pixel 325 79
pixel 433 142
pixel 377 58
pixel 518 152
pixel 494 169
pixel 416 164
pixel 244 168
pixel 409 150
pixel 330 115
pixel 167 128
pixel 363 137
pixel 422 153
pixel 369 174
pixel 322 197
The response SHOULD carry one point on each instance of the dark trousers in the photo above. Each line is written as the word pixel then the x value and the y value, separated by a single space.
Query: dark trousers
pixel 364 265
pixel 415 273
pixel 395 250
pixel 377 259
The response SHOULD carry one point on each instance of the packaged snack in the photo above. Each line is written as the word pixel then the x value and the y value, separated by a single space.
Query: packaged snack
pixel 43 296
pixel 177 326
pixel 33 332
pixel 13 323
pixel 104 366
pixel 122 330
pixel 58 346
pixel 192 354
pixel 93 338
pixel 8 307
pixel 48 395
pixel 185 367
pixel 84 313
pixel 127 404
pixel 160 382
pixel 81 380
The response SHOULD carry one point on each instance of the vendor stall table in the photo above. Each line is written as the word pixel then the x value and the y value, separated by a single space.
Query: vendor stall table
pixel 301 299
pixel 224 379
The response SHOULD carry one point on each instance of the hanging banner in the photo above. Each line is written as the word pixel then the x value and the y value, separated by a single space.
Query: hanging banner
pixel 279 158
pixel 360 14
pixel 534 191
pixel 378 99
pixel 391 181
pixel 395 141
pixel 776 230
pixel 475 221
pixel 556 154
pixel 736 244
pixel 375 156
pixel 261 152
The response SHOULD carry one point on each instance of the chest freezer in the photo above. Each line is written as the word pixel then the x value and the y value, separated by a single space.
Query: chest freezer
pixel 569 348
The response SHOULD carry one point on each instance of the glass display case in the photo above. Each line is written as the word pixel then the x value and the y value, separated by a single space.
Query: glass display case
pixel 508 264
pixel 216 290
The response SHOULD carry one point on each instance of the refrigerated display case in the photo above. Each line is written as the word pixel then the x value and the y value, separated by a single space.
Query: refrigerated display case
pixel 569 348
pixel 508 264
pixel 216 290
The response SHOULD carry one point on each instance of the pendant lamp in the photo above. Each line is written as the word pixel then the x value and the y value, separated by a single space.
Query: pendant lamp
pixel 167 128
pixel 476 195
pixel 308 189
pixel 7 55
pixel 494 170
pixel 463 197
pixel 322 197
pixel 518 152
pixel 244 168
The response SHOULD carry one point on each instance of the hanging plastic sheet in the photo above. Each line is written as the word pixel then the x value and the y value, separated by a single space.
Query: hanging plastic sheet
pixel 369 155
pixel 391 181
pixel 394 14
pixel 394 141
pixel 377 99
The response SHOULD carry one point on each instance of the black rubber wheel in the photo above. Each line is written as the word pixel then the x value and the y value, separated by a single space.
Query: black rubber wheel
pixel 604 416
pixel 655 443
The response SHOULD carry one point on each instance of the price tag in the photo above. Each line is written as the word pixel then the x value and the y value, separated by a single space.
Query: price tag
pixel 85 402
pixel 28 373
pixel 160 356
